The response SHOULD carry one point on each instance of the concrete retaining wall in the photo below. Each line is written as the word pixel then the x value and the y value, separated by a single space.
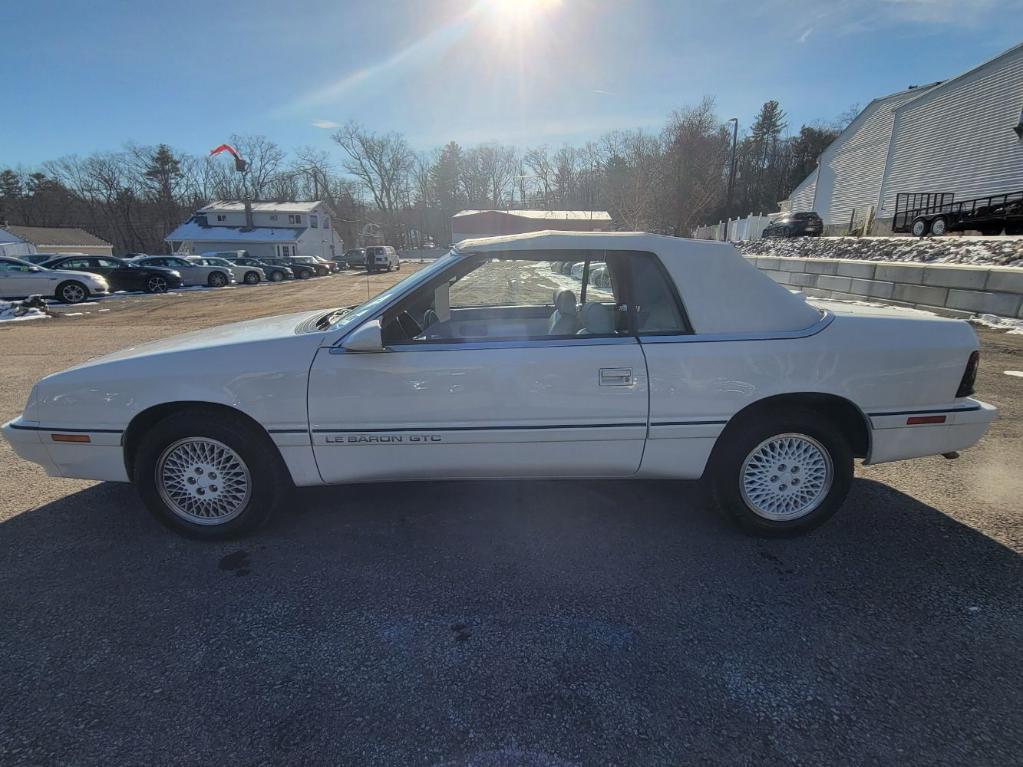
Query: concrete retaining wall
pixel 958 291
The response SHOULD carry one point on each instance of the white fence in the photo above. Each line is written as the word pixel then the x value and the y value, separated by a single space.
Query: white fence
pixel 749 228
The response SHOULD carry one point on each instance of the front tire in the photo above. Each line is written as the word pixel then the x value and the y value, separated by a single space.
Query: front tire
pixel 782 474
pixel 921 227
pixel 71 292
pixel 939 227
pixel 208 475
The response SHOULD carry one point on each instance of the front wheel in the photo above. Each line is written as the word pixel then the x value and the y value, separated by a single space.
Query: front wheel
pixel 920 227
pixel 939 226
pixel 208 475
pixel 71 292
pixel 782 474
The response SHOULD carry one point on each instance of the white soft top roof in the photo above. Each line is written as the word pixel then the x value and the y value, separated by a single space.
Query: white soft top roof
pixel 721 290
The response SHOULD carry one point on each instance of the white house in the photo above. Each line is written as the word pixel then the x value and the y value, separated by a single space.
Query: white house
pixel 19 241
pixel 265 229
pixel 962 136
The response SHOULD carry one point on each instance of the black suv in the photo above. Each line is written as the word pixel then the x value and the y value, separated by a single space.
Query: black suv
pixel 796 225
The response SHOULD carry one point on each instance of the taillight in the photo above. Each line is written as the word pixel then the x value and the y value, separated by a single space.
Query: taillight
pixel 969 376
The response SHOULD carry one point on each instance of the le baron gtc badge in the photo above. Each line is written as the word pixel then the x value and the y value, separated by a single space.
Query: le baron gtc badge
pixel 383 439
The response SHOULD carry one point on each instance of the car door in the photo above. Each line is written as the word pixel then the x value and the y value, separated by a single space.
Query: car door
pixel 19 279
pixel 190 273
pixel 491 397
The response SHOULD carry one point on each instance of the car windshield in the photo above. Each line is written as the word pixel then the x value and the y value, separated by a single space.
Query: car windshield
pixel 357 314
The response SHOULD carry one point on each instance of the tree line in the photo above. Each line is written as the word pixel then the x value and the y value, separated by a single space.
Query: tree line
pixel 668 181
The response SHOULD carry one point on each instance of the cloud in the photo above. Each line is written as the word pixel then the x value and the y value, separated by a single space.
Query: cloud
pixel 806 35
pixel 326 124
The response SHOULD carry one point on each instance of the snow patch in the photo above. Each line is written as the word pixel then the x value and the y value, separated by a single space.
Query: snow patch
pixel 1013 326
pixel 980 251
pixel 11 312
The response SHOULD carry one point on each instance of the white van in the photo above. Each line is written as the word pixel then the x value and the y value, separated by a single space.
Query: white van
pixel 382 258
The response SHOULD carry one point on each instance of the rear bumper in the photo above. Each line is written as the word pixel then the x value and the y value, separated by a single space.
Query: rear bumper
pixel 102 458
pixel 893 438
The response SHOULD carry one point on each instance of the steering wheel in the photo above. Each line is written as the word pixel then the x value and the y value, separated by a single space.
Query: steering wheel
pixel 430 317
pixel 408 325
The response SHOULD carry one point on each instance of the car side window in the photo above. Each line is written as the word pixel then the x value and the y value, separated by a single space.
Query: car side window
pixel 107 263
pixel 655 301
pixel 483 298
pixel 76 263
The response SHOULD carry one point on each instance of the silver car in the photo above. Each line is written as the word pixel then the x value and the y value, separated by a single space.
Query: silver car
pixel 250 275
pixel 192 273
pixel 19 279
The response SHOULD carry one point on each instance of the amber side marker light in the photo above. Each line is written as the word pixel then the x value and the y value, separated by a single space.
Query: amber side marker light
pixel 70 438
pixel 919 419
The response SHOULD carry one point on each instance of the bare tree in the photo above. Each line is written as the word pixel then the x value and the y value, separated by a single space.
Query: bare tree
pixel 383 163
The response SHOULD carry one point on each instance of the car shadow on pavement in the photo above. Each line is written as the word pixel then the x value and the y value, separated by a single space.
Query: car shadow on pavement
pixel 554 622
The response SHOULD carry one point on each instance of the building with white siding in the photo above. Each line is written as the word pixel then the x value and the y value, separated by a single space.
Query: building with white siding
pixel 956 136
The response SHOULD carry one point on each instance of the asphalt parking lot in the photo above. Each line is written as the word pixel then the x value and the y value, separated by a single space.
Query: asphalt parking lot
pixel 492 624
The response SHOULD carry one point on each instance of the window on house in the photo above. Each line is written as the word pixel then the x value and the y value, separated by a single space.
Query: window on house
pixel 314 222
pixel 273 216
pixel 294 219
pixel 221 217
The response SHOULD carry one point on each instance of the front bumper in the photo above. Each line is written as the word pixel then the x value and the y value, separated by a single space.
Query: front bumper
pixel 893 438
pixel 101 458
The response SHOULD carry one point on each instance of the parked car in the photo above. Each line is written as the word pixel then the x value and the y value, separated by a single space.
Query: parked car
pixel 382 258
pixel 321 268
pixel 300 270
pixel 352 259
pixel 807 224
pixel 19 279
pixel 192 273
pixel 273 273
pixel 121 274
pixel 705 367
pixel 249 275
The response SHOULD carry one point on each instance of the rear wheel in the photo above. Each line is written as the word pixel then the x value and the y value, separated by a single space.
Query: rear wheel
pixel 920 227
pixel 302 274
pixel 71 292
pixel 783 473
pixel 217 280
pixel 939 227
pixel 251 278
pixel 208 475
pixel 156 284
pixel 275 276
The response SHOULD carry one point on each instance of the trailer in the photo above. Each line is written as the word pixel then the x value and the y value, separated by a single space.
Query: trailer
pixel 937 213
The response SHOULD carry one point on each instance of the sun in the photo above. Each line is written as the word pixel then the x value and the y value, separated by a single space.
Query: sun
pixel 520 13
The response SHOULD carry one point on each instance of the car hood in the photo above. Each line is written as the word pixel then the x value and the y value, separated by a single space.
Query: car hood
pixel 247 332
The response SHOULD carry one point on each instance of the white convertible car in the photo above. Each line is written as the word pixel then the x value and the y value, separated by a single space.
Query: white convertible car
pixel 687 363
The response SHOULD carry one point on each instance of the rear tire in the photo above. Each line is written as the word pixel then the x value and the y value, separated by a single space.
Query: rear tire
pixel 156 284
pixel 939 227
pixel 208 475
pixel 782 473
pixel 71 292
pixel 251 278
pixel 276 276
pixel 217 280
pixel 302 275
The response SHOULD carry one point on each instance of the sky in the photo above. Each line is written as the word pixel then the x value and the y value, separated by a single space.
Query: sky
pixel 81 76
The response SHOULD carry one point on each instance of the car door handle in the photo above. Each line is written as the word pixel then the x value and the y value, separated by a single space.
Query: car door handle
pixel 616 376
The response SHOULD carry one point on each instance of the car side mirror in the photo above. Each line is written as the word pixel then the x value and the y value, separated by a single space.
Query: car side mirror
pixel 368 337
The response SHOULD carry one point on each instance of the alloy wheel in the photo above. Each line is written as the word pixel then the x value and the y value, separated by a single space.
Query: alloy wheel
pixel 786 477
pixel 203 481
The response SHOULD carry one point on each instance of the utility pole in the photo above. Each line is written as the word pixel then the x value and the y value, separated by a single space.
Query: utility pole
pixel 731 172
